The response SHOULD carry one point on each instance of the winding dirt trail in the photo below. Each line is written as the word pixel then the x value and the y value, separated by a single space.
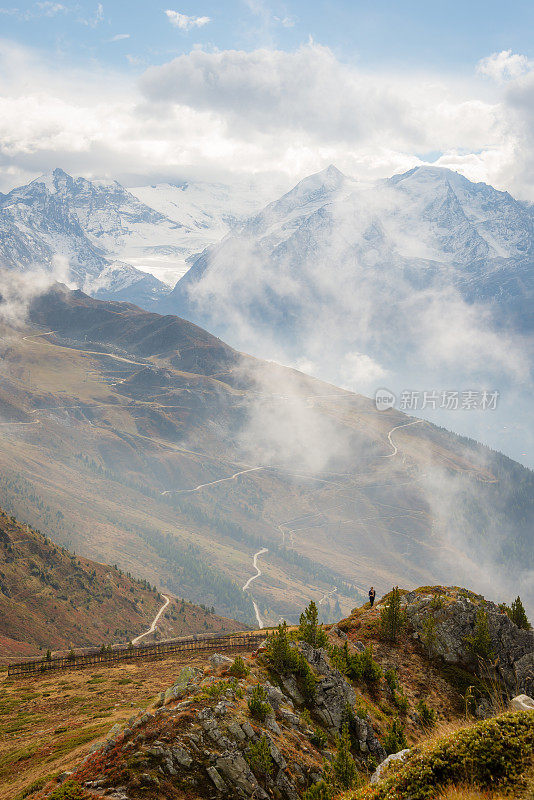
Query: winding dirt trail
pixel 246 586
pixel 396 428
pixel 154 621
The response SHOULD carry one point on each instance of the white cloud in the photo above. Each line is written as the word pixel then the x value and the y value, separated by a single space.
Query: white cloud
pixel 286 22
pixel 94 22
pixel 259 111
pixel 185 23
pixel 44 9
pixel 504 66
pixel 119 37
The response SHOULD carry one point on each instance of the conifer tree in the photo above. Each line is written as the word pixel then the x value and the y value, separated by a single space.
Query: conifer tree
pixel 392 616
pixel 309 629
pixel 343 767
pixel 518 615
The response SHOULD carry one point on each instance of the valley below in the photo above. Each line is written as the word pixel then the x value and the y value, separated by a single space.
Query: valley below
pixel 143 441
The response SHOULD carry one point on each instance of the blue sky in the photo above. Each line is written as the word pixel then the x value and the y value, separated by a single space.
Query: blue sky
pixel 147 93
pixel 379 34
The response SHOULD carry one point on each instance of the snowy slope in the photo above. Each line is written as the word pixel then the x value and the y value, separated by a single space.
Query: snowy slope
pixel 423 281
pixel 205 212
pixel 56 219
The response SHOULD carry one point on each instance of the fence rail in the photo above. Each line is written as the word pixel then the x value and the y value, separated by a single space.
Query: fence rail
pixel 144 652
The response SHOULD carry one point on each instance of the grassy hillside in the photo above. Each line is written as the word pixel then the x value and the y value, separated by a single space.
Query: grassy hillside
pixel 51 598
pixel 192 457
pixel 289 721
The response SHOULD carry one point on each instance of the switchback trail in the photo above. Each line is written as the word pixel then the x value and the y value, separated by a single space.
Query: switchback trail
pixel 154 621
pixel 396 428
pixel 212 483
pixel 250 580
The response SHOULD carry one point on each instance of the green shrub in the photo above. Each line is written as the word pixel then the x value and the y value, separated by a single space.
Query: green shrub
pixel 70 790
pixel 356 666
pixel 259 757
pixel 427 715
pixel 239 669
pixel 401 702
pixel 319 791
pixel 392 618
pixel 281 655
pixel 288 660
pixel 319 738
pixel 309 629
pixel 216 689
pixel 371 671
pixel 480 643
pixel 258 706
pixel 391 679
pixel 488 755
pixel 395 738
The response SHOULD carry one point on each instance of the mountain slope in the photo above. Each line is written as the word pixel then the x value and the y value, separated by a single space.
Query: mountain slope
pixel 76 228
pixel 205 468
pixel 423 282
pixel 51 598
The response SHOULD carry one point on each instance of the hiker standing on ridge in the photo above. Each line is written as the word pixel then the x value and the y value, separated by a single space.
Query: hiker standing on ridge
pixel 372 595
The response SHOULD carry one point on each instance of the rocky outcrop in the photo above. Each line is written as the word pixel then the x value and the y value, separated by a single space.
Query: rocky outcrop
pixel 333 696
pixel 445 624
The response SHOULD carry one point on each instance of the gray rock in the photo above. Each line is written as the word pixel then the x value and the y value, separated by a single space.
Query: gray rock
pixel 181 757
pixel 332 696
pixel 248 730
pixel 239 776
pixel 522 703
pixel 455 618
pixel 235 730
pixel 216 778
pixel 401 755
pixel 217 661
pixel 275 696
pixel 289 718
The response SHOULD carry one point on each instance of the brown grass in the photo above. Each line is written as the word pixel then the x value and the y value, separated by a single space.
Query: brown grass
pixel 47 725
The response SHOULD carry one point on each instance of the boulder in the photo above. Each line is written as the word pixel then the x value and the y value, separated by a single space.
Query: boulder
pixel 216 778
pixel 239 776
pixel 219 661
pixel 522 703
pixel 381 769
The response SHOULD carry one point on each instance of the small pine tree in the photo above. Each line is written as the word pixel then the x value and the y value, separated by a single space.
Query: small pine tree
pixel 239 669
pixel 392 616
pixel 259 757
pixel 48 656
pixel 258 706
pixel 344 771
pixel 309 629
pixel 517 614
pixel 427 715
pixel 282 657
pixel 480 642
pixel 395 739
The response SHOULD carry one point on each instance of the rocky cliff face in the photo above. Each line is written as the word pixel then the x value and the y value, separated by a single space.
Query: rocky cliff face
pixel 446 622
pixel 202 739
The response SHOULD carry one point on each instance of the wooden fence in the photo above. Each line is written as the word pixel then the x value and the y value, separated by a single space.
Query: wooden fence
pixel 143 652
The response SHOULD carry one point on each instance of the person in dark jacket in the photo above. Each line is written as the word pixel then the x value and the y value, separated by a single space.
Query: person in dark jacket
pixel 372 595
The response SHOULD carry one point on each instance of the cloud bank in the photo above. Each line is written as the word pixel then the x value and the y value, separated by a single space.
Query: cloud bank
pixel 267 110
